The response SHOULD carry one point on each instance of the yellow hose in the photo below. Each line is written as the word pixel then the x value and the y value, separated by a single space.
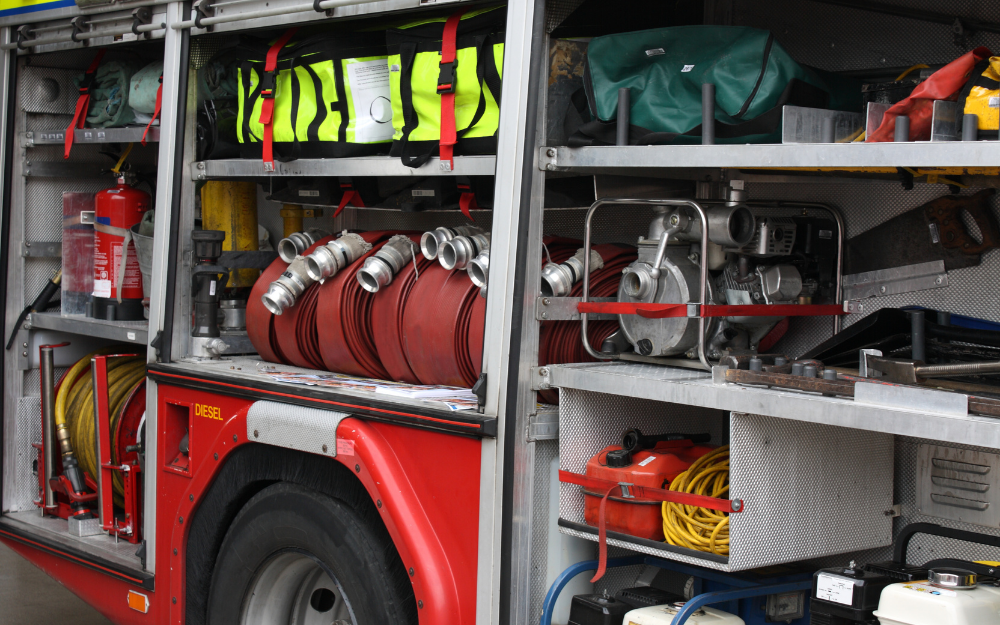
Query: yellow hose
pixel 700 528
pixel 77 408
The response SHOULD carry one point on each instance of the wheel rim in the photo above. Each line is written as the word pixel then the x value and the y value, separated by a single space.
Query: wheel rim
pixel 294 588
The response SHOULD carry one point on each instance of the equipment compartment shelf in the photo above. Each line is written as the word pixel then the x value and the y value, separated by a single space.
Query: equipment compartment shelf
pixel 243 376
pixel 90 135
pixel 125 331
pixel 696 388
pixel 637 159
pixel 358 166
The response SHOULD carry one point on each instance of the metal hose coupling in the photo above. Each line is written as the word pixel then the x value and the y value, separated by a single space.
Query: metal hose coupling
pixel 327 260
pixel 431 242
pixel 283 292
pixel 457 253
pixel 380 268
pixel 294 244
pixel 479 269
pixel 558 280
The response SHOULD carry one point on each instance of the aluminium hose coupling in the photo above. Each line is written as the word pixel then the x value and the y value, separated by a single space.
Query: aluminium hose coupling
pixel 558 280
pixel 294 244
pixel 327 260
pixel 479 269
pixel 457 253
pixel 283 292
pixel 380 267
pixel 431 242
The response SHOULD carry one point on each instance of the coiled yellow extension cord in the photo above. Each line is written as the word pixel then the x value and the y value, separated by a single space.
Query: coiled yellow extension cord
pixel 75 407
pixel 700 528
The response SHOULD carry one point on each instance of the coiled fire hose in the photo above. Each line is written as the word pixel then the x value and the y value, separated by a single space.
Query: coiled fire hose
pixel 699 528
pixel 74 407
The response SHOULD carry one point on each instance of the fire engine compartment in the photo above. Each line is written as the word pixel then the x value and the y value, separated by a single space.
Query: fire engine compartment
pixel 825 479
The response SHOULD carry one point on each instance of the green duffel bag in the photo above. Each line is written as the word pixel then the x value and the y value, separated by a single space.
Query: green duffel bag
pixel 329 97
pixel 429 93
pixel 664 70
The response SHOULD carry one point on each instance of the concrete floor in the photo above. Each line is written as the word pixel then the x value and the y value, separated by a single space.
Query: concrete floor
pixel 30 597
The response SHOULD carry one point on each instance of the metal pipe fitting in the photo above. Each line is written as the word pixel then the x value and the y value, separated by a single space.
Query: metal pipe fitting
pixel 558 280
pixel 380 268
pixel 327 260
pixel 283 292
pixel 431 242
pixel 479 269
pixel 49 446
pixel 638 282
pixel 294 244
pixel 456 253
pixel 731 225
pixel 234 315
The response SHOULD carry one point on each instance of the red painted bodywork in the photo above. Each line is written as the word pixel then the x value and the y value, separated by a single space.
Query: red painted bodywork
pixel 426 481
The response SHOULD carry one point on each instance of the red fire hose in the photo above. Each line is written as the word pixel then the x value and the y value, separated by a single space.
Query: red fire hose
pixel 388 306
pixel 260 321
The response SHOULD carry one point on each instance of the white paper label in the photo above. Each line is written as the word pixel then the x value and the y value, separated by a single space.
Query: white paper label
pixel 369 81
pixel 130 336
pixel 102 288
pixel 422 192
pixel 687 68
pixel 211 287
pixel 835 589
pixel 308 193
pixel 994 102
pixel 647 461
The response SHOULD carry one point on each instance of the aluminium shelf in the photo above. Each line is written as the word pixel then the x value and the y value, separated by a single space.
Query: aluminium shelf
pixel 696 388
pixel 356 166
pixel 131 134
pixel 638 159
pixel 125 331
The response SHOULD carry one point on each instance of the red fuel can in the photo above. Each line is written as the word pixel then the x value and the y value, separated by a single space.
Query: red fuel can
pixel 117 278
pixel 656 468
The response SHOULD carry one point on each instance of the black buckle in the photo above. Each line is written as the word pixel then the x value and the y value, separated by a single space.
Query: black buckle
pixel 268 84
pixel 446 78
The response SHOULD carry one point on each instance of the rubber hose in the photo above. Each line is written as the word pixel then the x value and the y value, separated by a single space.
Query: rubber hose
pixel 698 528
pixel 70 377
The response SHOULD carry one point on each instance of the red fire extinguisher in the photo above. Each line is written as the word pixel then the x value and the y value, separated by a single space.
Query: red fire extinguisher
pixel 117 279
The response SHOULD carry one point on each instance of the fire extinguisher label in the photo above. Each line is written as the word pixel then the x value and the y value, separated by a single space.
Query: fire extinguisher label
pixel 102 288
pixel 107 266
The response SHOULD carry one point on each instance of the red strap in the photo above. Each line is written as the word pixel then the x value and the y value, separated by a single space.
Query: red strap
pixel 667 311
pixel 156 111
pixel 446 88
pixel 82 102
pixel 467 202
pixel 267 94
pixel 352 197
pixel 639 493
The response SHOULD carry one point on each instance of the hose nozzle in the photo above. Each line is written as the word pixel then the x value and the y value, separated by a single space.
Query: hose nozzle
pixel 327 260
pixel 294 244
pixel 380 268
pixel 431 242
pixel 479 269
pixel 558 280
pixel 458 252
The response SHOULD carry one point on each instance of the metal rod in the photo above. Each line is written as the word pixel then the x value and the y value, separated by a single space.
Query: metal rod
pixel 68 38
pixel 708 114
pixel 918 336
pixel 703 287
pixel 970 127
pixel 624 107
pixel 272 12
pixel 957 369
pixel 50 448
pixel 902 132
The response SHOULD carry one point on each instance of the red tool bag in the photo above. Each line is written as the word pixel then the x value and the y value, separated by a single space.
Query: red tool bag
pixel 944 84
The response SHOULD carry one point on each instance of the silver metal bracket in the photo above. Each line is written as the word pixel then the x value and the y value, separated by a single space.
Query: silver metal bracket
pixel 540 380
pixel 203 9
pixel 87 217
pixel 626 493
pixel 22 346
pixel 719 374
pixel 853 307
pixel 547 159
pixel 35 249
pixel 142 17
pixel 895 511
pixel 919 277
pixel 694 311
pixel 544 424
pixel 564 309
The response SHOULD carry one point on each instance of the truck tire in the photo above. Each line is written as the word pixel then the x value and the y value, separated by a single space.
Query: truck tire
pixel 298 557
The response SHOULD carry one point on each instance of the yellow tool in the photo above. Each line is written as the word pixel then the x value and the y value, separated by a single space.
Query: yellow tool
pixel 232 207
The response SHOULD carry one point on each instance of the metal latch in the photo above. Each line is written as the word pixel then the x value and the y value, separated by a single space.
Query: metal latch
pixel 626 493
pixel 87 217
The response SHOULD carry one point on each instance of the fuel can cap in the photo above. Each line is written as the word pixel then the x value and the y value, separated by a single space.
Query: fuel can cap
pixel 952 578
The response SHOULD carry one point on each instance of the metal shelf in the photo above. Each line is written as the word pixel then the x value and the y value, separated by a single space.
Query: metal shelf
pixel 696 388
pixel 91 135
pixel 635 160
pixel 125 331
pixel 358 166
